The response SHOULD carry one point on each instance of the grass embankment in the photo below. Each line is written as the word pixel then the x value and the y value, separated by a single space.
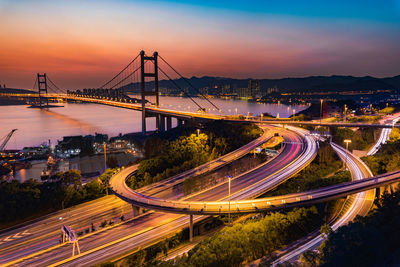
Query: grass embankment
pixel 361 138
pixel 365 118
pixel 246 163
pixel 203 181
pixel 387 159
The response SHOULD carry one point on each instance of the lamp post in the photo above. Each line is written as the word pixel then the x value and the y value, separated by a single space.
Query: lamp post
pixel 105 162
pixel 261 117
pixel 198 132
pixel 347 141
pixel 320 116
pixel 229 199
pixel 105 156
pixel 345 112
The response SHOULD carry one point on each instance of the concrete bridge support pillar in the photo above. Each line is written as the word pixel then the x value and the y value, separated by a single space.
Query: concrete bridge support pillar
pixel 161 124
pixel 158 122
pixel 180 122
pixel 137 210
pixel 190 228
pixel 169 123
pixel 143 123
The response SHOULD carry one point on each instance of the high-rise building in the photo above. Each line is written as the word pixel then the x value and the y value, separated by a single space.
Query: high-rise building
pixel 254 88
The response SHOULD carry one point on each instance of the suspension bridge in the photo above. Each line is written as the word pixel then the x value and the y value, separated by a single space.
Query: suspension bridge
pixel 141 75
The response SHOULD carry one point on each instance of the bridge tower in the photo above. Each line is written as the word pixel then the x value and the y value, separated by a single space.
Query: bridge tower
pixel 42 87
pixel 144 92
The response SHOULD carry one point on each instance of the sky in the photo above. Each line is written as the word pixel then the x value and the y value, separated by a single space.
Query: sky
pixel 82 44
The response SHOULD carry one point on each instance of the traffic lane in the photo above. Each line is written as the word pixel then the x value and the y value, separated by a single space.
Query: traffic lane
pixel 46 228
pixel 147 220
pixel 360 205
pixel 50 239
pixel 131 244
pixel 290 152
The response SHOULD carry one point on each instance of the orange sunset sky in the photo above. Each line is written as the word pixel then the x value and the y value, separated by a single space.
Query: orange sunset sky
pixel 84 43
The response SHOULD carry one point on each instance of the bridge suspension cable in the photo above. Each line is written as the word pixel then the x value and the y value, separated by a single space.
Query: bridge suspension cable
pixel 124 79
pixel 189 83
pixel 119 73
pixel 34 85
pixel 173 82
pixel 56 87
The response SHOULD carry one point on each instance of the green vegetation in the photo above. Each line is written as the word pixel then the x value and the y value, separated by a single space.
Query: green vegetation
pixel 367 241
pixel 315 175
pixel 251 240
pixel 388 110
pixel 394 135
pixel 360 139
pixel 20 201
pixel 167 158
pixel 300 117
pixel 387 159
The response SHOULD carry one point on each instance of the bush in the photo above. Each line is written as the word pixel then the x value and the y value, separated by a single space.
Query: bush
pixel 387 159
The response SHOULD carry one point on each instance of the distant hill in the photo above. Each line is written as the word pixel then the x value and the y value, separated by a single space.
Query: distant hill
pixel 307 84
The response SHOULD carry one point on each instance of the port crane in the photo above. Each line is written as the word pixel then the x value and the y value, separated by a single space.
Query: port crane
pixel 6 139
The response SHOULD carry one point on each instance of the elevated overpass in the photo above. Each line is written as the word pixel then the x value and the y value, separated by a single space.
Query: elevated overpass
pixel 252 206
pixel 295 156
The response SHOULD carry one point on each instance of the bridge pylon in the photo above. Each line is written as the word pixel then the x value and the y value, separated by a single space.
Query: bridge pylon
pixel 42 88
pixel 144 92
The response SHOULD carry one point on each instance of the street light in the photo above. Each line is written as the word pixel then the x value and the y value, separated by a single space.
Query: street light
pixel 320 116
pixel 345 112
pixel 198 132
pixel 262 115
pixel 229 198
pixel 347 141
pixel 105 162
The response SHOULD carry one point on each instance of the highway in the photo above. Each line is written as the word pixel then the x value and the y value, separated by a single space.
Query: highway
pixel 256 205
pixel 36 243
pixel 153 225
pixel 251 185
pixel 44 233
pixel 358 204
pixel 384 136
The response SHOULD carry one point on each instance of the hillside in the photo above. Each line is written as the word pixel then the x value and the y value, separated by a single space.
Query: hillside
pixel 308 84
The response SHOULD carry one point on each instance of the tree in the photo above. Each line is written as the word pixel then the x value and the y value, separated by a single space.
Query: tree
pixel 72 177
pixel 325 231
